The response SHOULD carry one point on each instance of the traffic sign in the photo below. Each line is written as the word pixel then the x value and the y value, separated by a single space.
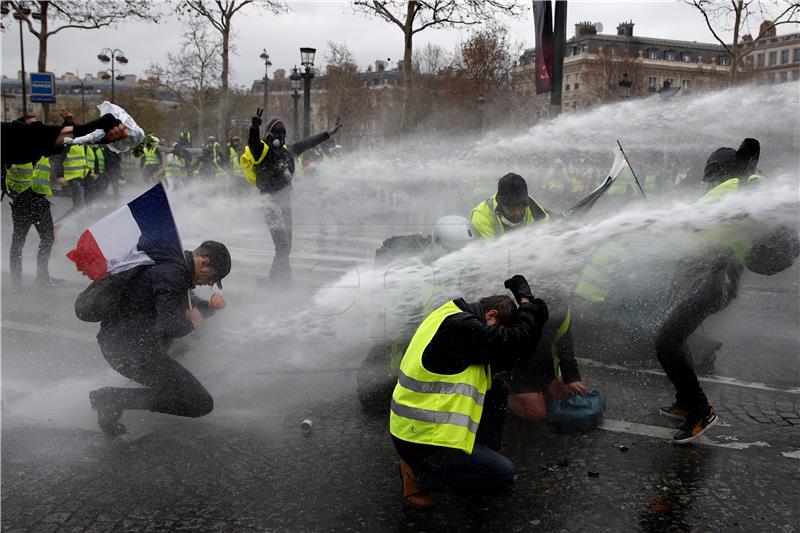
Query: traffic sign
pixel 43 87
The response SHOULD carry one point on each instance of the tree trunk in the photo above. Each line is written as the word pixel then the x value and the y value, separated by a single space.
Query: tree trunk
pixel 42 62
pixel 223 105
pixel 408 71
pixel 735 49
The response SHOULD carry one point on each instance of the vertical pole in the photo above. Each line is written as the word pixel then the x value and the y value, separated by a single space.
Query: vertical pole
pixel 266 112
pixel 307 103
pixel 560 43
pixel 22 61
pixel 295 116
pixel 113 75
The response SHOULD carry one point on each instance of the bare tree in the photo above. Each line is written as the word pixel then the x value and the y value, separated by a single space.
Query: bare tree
pixel 56 16
pixel 193 73
pixel 344 96
pixel 737 16
pixel 220 14
pixel 431 59
pixel 414 16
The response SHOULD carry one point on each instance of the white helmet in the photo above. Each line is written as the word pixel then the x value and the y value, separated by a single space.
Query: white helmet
pixel 452 232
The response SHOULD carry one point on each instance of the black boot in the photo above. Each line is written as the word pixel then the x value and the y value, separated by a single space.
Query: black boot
pixel 108 413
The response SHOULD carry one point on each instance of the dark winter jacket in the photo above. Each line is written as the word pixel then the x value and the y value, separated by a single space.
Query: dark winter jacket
pixel 153 308
pixel 276 170
pixel 464 339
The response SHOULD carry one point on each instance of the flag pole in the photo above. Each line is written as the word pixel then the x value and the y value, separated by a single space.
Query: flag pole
pixel 632 172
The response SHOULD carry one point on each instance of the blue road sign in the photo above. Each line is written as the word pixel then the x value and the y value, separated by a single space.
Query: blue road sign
pixel 43 87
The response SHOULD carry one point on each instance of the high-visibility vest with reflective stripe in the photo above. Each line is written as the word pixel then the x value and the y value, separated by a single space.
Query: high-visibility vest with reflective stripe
pixel 738 234
pixel 91 160
pixel 75 166
pixel 176 167
pixel 595 279
pixel 486 220
pixel 248 162
pixel 236 166
pixel 186 136
pixel 437 409
pixel 101 159
pixel 150 156
pixel 649 184
pixel 21 177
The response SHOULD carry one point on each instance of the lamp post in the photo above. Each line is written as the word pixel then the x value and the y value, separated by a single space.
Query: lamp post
pixel 265 56
pixel 295 78
pixel 106 55
pixel 307 61
pixel 625 83
pixel 20 14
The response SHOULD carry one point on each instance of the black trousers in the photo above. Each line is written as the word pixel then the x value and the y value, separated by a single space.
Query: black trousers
pixel 169 387
pixel 29 209
pixel 278 214
pixel 699 291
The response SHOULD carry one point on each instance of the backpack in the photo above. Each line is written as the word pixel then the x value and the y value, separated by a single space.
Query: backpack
pixel 100 300
pixel 577 413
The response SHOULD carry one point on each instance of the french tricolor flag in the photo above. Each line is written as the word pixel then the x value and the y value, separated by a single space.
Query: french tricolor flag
pixel 115 243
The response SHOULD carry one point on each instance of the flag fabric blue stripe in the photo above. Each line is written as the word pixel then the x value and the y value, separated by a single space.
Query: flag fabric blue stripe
pixel 153 215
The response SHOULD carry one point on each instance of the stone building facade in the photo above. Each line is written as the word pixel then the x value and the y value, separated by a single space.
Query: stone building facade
pixel 774 58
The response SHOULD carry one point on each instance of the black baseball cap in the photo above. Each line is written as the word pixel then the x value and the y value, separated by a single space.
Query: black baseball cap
pixel 218 258
pixel 512 191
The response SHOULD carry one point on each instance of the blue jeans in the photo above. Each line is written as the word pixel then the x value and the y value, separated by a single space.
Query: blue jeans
pixel 485 470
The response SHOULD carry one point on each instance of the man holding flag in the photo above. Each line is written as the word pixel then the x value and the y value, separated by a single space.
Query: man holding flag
pixel 142 297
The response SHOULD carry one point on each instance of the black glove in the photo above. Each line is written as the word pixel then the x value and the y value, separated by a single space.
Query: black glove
pixel 519 287
pixel 105 123
pixel 540 311
pixel 255 120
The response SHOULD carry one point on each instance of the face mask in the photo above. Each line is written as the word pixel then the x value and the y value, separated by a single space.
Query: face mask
pixel 508 223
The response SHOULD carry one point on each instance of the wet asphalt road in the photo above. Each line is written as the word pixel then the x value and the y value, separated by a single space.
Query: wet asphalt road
pixel 249 466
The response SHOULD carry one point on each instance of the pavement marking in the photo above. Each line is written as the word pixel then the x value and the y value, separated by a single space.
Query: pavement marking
pixel 721 380
pixel 46 330
pixel 792 455
pixel 665 433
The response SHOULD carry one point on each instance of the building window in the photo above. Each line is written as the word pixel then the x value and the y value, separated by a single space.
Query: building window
pixel 670 55
pixel 671 82
pixel 686 57
pixel 724 60
pixel 784 57
pixel 796 75
pixel 760 59
pixel 685 85
pixel 796 55
pixel 652 54
pixel 652 82
pixel 785 75
pixel 773 58
pixel 575 50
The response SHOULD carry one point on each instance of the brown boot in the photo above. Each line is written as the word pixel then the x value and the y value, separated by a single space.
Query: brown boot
pixel 413 495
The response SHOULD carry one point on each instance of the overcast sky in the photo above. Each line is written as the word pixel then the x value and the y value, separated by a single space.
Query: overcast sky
pixel 315 23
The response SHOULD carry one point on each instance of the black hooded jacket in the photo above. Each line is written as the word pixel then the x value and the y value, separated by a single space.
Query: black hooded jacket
pixel 153 307
pixel 276 170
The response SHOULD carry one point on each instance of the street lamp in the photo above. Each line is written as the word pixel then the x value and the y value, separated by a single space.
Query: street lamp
pixel 295 77
pixel 21 13
pixel 626 83
pixel 307 61
pixel 106 55
pixel 265 56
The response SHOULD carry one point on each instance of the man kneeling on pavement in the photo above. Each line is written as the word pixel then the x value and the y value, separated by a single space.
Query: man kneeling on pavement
pixel 447 413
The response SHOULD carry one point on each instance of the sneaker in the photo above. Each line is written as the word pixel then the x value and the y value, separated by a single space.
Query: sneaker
pixel 674 411
pixel 694 426
pixel 412 494
pixel 107 415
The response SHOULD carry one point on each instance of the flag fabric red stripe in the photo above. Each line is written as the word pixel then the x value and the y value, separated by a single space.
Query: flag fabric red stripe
pixel 88 257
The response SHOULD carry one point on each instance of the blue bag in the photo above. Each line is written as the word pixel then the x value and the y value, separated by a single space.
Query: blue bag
pixel 576 413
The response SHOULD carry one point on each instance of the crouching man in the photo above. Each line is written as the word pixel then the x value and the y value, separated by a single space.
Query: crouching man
pixel 152 310
pixel 446 412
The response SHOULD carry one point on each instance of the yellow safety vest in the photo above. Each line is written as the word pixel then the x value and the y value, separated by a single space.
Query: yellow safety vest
pixel 595 278
pixel 21 177
pixel 487 223
pixel 737 234
pixel 437 409
pixel 150 156
pixel 248 162
pixel 75 166
pixel 236 166
pixel 176 167
pixel 101 159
